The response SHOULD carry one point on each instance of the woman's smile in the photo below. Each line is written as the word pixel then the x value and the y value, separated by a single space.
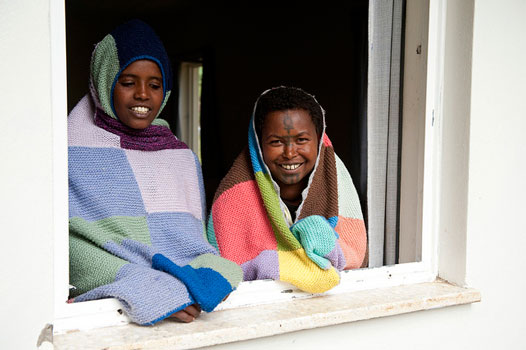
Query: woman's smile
pixel 138 94
pixel 291 167
pixel 289 144
pixel 141 111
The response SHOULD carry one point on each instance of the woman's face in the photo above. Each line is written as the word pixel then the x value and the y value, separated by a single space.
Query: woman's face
pixel 290 147
pixel 138 94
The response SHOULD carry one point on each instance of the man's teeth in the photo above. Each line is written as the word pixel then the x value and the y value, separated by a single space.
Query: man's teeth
pixel 290 166
pixel 141 110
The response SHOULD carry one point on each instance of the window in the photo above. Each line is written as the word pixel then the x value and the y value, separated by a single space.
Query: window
pixel 189 121
pixel 424 163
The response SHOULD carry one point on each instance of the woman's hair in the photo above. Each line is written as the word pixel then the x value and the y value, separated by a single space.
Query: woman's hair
pixel 283 98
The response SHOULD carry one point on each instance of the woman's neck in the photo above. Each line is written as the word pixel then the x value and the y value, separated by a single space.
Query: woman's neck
pixel 291 193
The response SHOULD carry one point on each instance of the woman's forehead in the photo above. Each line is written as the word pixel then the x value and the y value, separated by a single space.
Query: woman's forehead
pixel 289 119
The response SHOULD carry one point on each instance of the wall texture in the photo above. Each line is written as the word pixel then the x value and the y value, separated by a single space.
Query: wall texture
pixel 26 260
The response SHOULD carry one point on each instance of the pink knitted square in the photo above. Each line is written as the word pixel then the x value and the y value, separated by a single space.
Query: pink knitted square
pixel 240 223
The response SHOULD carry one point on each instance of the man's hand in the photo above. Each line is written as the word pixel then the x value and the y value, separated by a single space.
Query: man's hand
pixel 188 314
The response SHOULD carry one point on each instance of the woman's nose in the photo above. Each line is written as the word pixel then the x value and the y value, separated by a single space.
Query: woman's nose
pixel 141 92
pixel 289 151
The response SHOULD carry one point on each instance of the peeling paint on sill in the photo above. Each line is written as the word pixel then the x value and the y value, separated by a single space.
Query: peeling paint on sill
pixel 46 336
pixel 254 322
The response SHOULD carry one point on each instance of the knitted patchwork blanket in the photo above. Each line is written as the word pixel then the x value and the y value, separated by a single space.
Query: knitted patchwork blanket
pixel 136 220
pixel 248 222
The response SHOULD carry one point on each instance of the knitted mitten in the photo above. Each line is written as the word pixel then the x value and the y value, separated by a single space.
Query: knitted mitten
pixel 319 240
pixel 207 286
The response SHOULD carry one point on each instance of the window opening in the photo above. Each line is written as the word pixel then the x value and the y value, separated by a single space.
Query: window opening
pixel 188 127
pixel 229 82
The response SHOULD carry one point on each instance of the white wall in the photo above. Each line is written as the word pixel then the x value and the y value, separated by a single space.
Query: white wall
pixel 492 231
pixel 497 187
pixel 26 260
pixel 495 194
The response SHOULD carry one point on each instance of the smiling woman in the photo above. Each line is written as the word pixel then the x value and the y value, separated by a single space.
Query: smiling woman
pixel 288 210
pixel 136 201
pixel 138 94
pixel 290 146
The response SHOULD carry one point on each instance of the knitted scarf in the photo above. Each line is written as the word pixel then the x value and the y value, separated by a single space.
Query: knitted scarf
pixel 248 223
pixel 136 218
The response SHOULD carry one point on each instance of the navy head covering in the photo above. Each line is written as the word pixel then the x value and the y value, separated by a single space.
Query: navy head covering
pixel 129 42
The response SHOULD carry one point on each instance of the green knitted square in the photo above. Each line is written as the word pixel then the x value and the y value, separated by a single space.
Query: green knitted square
pixel 228 269
pixel 86 270
pixel 115 228
pixel 104 69
pixel 285 238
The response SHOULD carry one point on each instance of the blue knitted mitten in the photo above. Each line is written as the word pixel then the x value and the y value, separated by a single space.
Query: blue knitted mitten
pixel 207 286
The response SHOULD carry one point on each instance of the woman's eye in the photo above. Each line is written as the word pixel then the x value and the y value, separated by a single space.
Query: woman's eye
pixel 275 142
pixel 155 86
pixel 303 140
pixel 127 83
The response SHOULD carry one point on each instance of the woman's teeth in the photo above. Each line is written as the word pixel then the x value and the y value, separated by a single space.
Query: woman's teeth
pixel 290 166
pixel 140 110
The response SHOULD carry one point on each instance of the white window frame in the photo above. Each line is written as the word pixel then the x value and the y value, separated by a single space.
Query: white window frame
pixel 105 312
pixel 189 121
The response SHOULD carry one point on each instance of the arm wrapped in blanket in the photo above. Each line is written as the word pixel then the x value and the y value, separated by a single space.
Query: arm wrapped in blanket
pixel 136 220
pixel 150 286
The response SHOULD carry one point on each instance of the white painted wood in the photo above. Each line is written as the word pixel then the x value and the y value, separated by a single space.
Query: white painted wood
pixel 102 313
pixel 432 138
pixel 89 315
pixel 413 126
pixel 264 292
pixel 275 318
pixel 454 125
pixel 60 155
pixel 189 106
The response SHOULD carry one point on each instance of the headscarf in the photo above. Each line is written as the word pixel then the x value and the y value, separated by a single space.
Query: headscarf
pixel 129 42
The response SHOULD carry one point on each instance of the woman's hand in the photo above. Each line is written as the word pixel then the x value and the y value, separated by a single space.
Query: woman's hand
pixel 188 314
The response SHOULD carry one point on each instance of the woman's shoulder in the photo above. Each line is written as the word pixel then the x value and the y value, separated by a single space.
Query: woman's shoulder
pixel 82 130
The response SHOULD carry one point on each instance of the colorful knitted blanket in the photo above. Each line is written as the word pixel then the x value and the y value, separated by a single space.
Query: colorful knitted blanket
pixel 248 222
pixel 136 217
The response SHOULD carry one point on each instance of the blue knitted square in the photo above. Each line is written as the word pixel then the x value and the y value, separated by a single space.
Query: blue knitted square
pixel 102 184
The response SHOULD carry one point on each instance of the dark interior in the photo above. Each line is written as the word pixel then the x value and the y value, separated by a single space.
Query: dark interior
pixel 246 48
